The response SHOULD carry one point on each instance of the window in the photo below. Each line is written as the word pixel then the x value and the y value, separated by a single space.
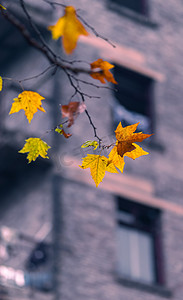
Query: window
pixel 139 6
pixel 138 238
pixel 134 99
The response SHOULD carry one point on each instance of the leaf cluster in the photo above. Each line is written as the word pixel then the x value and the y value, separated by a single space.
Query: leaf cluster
pixel 125 146
pixel 69 28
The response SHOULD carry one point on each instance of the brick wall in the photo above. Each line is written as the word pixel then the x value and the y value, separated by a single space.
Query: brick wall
pixel 87 260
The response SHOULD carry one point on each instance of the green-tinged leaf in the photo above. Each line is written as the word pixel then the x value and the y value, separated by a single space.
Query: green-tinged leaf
pixel 1 83
pixel 60 131
pixel 35 147
pixel 90 144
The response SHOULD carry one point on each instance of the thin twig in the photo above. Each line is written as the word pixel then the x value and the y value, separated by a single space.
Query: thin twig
pixel 53 59
pixel 94 128
pixel 38 75
pixel 79 89
pixel 91 96
pixel 54 3
pixel 86 111
pixel 29 78
pixel 53 129
pixel 14 80
pixel 33 42
pixel 108 146
pixel 34 27
pixel 96 33
pixel 93 84
pixel 73 95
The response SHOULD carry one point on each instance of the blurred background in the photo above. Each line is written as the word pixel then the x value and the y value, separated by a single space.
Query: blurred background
pixel 60 236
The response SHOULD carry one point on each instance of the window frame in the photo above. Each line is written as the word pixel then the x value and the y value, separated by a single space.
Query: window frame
pixel 148 99
pixel 154 230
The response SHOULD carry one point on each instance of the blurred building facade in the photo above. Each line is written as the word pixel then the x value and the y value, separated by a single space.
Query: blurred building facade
pixel 123 240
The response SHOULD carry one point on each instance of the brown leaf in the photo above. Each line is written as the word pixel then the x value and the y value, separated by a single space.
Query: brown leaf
pixel 126 139
pixel 66 135
pixel 71 111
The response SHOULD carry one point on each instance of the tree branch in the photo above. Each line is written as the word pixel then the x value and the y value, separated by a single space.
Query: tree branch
pixel 86 111
pixel 52 58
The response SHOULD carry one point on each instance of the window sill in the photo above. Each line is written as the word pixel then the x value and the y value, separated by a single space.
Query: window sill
pixel 137 17
pixel 154 289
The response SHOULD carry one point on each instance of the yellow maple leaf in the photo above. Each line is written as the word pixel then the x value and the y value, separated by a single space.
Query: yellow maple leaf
pixel 104 74
pixel 124 146
pixel 126 139
pixel 29 101
pixel 1 83
pixel 35 147
pixel 98 166
pixel 69 28
pixel 2 7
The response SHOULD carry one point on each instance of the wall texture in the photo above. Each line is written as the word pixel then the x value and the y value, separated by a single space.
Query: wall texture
pixel 85 234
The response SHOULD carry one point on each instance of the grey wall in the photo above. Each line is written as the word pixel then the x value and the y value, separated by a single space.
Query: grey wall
pixel 87 240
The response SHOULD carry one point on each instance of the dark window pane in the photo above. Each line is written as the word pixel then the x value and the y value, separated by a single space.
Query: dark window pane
pixel 138 6
pixel 133 90
pixel 134 98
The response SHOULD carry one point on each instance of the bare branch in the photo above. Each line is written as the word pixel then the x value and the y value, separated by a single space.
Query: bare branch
pixel 55 60
pixel 38 75
pixel 95 32
pixel 94 128
pixel 34 27
pixel 52 58
pixel 93 84
pixel 54 3
pixel 83 99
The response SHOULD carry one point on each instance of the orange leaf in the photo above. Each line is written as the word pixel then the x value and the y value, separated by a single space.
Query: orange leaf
pixel 116 159
pixel 104 73
pixel 69 28
pixel 125 141
pixel 71 111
